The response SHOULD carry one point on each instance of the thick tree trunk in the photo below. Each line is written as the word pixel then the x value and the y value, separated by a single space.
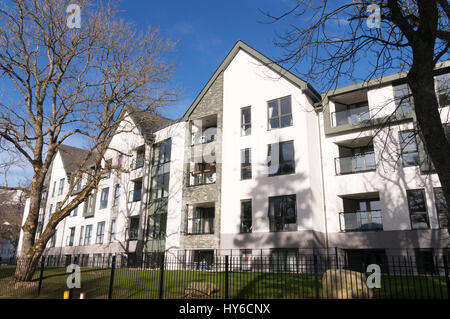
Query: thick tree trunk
pixel 421 81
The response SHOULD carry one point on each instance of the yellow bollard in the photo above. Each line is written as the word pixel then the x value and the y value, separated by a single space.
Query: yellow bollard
pixel 66 294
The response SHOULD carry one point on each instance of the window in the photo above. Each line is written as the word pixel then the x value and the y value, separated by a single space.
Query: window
pixel 71 236
pixel 403 99
pixel 89 206
pixel 281 159
pixel 104 198
pixel 202 221
pixel 246 163
pixel 75 211
pixel 136 194
pixel 246 121
pixel 282 213
pixel 425 261
pixel 246 259
pixel 283 260
pixel 134 228
pixel 97 260
pixel 161 169
pixel 58 206
pixel 80 242
pixel 441 207
pixel 88 235
pixel 54 188
pixel 100 232
pixel 203 173
pixel 116 194
pixel 140 157
pixel 61 186
pixel 280 113
pixel 120 161
pixel 158 221
pixel 50 211
pixel 246 216
pixel 108 165
pixel 410 155
pixel 112 231
pixel 53 239
pixel 418 209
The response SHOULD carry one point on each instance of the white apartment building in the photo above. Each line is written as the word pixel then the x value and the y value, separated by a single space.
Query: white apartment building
pixel 261 163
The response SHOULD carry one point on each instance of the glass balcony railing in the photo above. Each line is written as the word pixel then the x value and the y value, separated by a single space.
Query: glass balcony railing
pixel 361 221
pixel 200 226
pixel 351 116
pixel 363 162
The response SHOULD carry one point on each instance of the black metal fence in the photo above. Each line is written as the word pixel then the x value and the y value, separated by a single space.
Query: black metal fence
pixel 281 275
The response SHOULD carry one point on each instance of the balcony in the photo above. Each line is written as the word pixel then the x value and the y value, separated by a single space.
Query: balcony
pixel 363 162
pixel 350 116
pixel 361 221
pixel 204 173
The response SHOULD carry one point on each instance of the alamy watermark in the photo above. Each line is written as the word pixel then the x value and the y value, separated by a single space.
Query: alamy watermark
pixel 74 16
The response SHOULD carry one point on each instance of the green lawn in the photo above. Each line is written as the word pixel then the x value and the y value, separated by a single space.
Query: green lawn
pixel 137 284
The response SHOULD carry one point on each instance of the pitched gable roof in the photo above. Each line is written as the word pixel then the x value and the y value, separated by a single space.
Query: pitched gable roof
pixel 148 122
pixel 240 45
pixel 73 157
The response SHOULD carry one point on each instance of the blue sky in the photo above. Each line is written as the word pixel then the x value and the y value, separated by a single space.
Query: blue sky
pixel 205 31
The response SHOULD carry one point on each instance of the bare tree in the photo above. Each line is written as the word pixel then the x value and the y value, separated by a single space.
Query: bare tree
pixel 329 41
pixel 71 83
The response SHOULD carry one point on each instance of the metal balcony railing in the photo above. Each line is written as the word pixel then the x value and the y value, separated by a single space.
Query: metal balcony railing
pixel 360 221
pixel 362 162
pixel 351 116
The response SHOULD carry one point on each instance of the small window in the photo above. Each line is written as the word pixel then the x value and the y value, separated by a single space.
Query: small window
pixel 108 165
pixel 104 198
pixel 281 158
pixel 61 186
pixel 441 207
pixel 100 232
pixel 246 164
pixel 71 236
pixel 418 209
pixel 410 154
pixel 54 188
pixel 53 239
pixel 283 213
pixel 246 216
pixel 120 161
pixel 246 121
pixel 88 235
pixel 75 211
pixel 112 231
pixel 280 113
pixel 116 194
pixel 80 242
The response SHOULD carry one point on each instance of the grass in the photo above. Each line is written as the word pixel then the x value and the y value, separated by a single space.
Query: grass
pixel 137 284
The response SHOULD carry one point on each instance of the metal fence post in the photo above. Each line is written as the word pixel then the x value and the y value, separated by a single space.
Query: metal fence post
pixel 161 278
pixel 111 279
pixel 447 279
pixel 226 276
pixel 41 275
pixel 316 275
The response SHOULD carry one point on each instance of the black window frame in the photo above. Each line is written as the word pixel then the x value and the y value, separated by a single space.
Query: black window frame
pixel 246 127
pixel 275 221
pixel 438 202
pixel 425 213
pixel 279 116
pixel 404 143
pixel 246 221
pixel 246 166
pixel 282 164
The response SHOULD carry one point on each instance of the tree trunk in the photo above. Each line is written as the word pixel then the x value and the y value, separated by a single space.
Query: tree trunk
pixel 421 81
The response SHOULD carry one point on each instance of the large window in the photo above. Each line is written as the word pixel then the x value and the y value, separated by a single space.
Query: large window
pixel 161 169
pixel 202 221
pixel 441 207
pixel 80 242
pixel 53 239
pixel 246 121
pixel 100 232
pixel 133 230
pixel 104 198
pixel 89 205
pixel 54 188
pixel 88 235
pixel 283 213
pixel 71 236
pixel 246 163
pixel 418 209
pixel 281 158
pixel 408 143
pixel 246 216
pixel 280 113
